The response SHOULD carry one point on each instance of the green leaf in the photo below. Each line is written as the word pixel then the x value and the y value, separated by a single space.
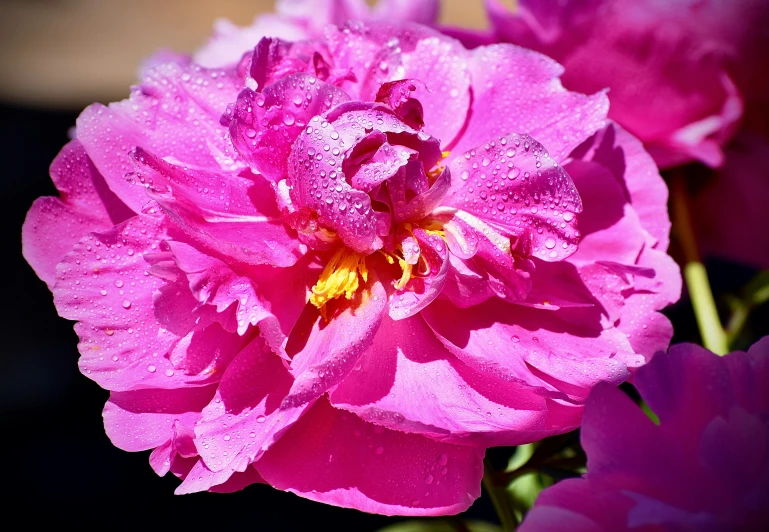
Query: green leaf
pixel 524 491
pixel 758 288
pixel 520 456
pixel 439 525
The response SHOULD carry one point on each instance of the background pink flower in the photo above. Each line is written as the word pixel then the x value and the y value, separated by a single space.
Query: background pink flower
pixel 301 19
pixel 704 466
pixel 195 227
pixel 678 71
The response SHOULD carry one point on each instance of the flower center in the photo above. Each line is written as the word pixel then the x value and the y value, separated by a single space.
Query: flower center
pixel 339 277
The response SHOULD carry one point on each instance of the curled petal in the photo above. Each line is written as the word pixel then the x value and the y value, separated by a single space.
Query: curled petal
pixel 264 125
pixel 424 286
pixel 325 351
pixel 514 185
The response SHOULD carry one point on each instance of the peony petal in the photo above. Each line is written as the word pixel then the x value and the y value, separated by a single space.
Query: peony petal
pixel 611 230
pixel 556 351
pixel 415 202
pixel 174 112
pixel 336 458
pixel 580 506
pixel 512 184
pixel 274 306
pixel 421 290
pixel 143 419
pixel 664 64
pixel 730 211
pixel 661 471
pixel 200 478
pixel 244 419
pixel 230 219
pixel 104 283
pixel 518 90
pixel 442 65
pixel 85 205
pixel 421 11
pixel 637 175
pixel 324 351
pixel 264 125
pixel 409 382
pixel 228 42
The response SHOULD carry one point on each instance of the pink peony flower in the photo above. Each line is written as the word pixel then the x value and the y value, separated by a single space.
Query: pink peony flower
pixel 367 272
pixel 704 466
pixel 678 71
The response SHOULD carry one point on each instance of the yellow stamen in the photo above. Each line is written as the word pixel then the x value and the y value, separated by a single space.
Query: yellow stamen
pixel 339 277
pixel 406 277
pixel 433 174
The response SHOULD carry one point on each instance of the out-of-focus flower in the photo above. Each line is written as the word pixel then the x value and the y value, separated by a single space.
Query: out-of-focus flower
pixel 677 71
pixel 730 208
pixel 704 466
pixel 302 19
pixel 368 271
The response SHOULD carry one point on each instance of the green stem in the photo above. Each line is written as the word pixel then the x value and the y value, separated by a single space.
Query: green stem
pixel 696 277
pixel 500 498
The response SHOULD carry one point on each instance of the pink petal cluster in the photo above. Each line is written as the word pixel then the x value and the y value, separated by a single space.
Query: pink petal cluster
pixel 678 71
pixel 346 266
pixel 704 466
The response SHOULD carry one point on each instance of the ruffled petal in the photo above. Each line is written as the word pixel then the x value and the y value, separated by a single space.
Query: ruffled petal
pixel 336 458
pixel 264 125
pixel 244 419
pixel 234 217
pixel 105 284
pixel 174 112
pixel 409 382
pixel 85 205
pixel 273 305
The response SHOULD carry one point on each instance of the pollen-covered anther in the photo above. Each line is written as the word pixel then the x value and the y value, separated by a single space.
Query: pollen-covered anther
pixel 406 276
pixel 433 174
pixel 340 277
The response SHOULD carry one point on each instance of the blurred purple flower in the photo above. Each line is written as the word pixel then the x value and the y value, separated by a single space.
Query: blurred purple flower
pixel 704 466
pixel 678 72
